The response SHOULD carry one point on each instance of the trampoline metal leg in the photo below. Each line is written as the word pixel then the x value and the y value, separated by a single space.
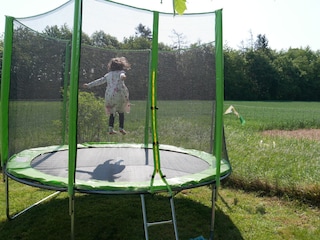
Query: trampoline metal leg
pixel 144 214
pixel 7 197
pixel 146 224
pixel 174 218
pixel 26 209
pixel 213 210
pixel 71 212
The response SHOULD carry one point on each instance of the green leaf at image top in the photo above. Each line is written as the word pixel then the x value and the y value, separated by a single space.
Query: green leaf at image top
pixel 180 6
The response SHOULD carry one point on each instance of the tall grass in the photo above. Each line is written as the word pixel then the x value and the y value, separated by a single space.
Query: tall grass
pixel 278 115
pixel 274 164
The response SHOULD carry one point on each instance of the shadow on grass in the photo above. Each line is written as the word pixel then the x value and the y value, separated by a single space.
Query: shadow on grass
pixel 101 217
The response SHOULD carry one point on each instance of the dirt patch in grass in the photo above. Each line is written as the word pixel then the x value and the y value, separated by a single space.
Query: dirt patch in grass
pixel 313 134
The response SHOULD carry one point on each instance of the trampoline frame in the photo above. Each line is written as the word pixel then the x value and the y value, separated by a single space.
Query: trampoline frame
pixel 113 168
pixel 23 163
pixel 73 106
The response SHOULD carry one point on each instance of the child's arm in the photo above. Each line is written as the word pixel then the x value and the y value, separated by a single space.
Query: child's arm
pixel 96 82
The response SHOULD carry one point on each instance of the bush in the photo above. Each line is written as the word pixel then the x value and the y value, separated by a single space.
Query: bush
pixel 92 120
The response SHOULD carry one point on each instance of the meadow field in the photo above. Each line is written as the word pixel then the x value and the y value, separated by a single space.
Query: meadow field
pixel 273 191
pixel 277 163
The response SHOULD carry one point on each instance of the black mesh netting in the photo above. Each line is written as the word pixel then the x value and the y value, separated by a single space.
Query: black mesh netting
pixel 40 78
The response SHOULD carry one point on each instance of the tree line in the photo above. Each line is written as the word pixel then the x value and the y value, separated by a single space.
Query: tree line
pixel 260 73
pixel 254 73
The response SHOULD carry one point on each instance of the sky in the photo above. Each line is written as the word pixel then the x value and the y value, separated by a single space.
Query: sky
pixel 285 23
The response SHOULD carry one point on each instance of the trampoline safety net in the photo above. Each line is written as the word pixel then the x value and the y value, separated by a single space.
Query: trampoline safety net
pixel 40 77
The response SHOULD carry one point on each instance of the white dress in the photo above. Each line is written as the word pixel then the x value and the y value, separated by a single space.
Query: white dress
pixel 116 95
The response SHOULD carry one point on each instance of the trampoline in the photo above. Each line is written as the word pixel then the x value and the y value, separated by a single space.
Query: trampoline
pixel 115 168
pixel 52 131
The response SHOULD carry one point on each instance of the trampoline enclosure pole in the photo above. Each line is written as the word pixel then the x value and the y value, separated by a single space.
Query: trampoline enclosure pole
pixel 5 88
pixel 153 101
pixel 213 211
pixel 153 95
pixel 73 101
pixel 219 95
pixel 73 106
pixel 218 130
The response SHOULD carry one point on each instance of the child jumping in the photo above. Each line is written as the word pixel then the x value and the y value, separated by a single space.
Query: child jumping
pixel 117 94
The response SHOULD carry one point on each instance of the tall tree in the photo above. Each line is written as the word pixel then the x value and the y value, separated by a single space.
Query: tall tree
pixel 64 32
pixel 261 43
pixel 141 40
pixel 262 75
pixel 143 31
pixel 288 77
pixel 136 43
pixel 103 40
pixel 303 61
pixel 237 86
pixel 179 40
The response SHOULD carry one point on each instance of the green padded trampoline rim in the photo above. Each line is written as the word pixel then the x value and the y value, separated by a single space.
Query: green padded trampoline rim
pixel 19 168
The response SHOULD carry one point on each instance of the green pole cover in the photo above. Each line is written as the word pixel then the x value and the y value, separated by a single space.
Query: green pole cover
pixel 5 86
pixel 73 101
pixel 153 94
pixel 219 95
pixel 153 101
